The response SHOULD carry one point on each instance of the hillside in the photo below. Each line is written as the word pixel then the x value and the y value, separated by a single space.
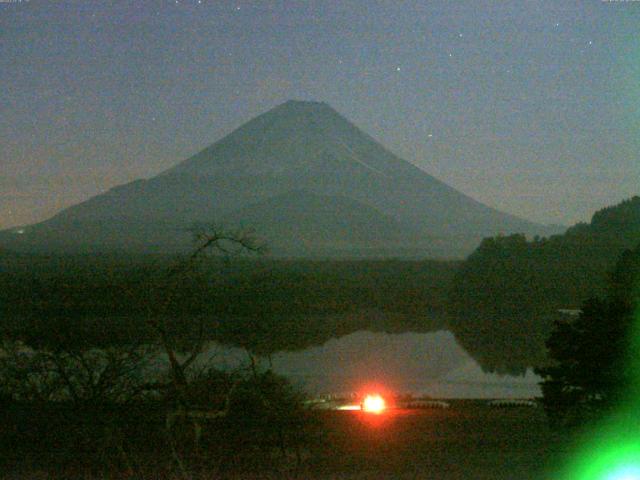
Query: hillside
pixel 304 223
pixel 507 293
pixel 295 152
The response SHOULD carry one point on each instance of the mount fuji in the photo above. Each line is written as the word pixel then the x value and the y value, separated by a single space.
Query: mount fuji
pixel 302 177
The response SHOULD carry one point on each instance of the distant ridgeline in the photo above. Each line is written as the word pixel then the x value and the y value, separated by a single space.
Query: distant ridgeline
pixel 506 295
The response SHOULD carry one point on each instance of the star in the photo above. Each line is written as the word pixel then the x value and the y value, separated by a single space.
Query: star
pixel 397 69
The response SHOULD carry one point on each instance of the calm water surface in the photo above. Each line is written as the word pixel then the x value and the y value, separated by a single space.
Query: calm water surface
pixel 419 363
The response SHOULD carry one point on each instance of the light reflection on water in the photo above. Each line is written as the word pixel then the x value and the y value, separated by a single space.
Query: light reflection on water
pixel 419 363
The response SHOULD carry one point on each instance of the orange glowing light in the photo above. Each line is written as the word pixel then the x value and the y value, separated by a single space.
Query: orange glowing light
pixel 373 404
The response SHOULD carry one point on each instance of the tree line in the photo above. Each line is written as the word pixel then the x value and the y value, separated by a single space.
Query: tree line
pixel 505 298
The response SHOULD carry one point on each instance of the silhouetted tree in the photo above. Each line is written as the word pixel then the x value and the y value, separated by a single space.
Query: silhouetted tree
pixel 83 376
pixel 592 357
pixel 209 239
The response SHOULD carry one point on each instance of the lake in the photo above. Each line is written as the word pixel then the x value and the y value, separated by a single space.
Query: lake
pixel 419 363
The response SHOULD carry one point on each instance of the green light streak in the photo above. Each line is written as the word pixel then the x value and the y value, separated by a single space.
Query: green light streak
pixel 608 456
pixel 612 450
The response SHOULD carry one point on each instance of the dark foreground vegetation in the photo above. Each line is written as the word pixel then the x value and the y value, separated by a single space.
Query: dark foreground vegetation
pixel 469 440
pixel 263 428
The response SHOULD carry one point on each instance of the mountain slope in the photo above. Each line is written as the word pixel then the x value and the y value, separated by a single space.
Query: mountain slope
pixel 297 146
pixel 304 223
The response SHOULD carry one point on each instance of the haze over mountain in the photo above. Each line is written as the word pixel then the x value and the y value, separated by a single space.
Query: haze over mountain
pixel 302 176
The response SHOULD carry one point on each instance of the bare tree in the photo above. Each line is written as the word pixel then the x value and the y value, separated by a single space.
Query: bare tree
pixel 81 375
pixel 210 239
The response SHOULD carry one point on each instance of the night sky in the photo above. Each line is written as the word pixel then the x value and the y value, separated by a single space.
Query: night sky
pixel 530 107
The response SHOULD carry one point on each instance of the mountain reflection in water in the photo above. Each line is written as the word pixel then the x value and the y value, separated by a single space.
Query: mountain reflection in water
pixel 419 363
